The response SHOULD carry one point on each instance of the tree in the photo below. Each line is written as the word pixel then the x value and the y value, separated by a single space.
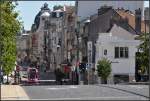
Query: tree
pixel 104 69
pixel 56 7
pixel 143 56
pixel 9 27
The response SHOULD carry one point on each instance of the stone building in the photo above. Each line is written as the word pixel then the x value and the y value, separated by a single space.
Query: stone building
pixel 39 33
pixel 23 45
pixel 69 34
pixel 52 35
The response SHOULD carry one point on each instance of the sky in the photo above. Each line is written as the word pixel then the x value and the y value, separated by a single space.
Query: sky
pixel 29 9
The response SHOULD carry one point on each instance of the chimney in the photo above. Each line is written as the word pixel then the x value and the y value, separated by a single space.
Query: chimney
pixel 138 20
pixel 104 9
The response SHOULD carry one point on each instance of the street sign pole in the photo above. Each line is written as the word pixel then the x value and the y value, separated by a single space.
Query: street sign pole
pixel 89 59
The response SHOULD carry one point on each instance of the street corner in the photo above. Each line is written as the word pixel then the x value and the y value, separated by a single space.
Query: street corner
pixel 13 92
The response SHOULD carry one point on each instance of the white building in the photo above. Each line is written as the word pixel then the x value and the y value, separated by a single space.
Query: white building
pixel 118 46
pixel 88 8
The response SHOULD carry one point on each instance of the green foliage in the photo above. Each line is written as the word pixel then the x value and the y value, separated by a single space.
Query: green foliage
pixel 56 7
pixel 104 68
pixel 143 56
pixel 9 28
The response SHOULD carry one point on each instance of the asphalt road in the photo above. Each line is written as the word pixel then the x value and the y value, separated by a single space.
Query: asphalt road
pixel 88 92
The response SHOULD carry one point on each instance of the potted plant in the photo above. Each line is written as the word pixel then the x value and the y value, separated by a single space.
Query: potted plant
pixel 104 69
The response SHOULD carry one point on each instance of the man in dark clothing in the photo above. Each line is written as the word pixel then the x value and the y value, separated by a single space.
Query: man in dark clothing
pixel 1 76
pixel 59 76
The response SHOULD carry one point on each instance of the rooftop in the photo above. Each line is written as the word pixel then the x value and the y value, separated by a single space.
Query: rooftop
pixel 131 19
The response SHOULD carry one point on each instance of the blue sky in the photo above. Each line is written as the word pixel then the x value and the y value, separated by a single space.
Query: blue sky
pixel 29 9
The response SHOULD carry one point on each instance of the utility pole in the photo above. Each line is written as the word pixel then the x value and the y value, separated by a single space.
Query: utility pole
pixel 0 39
pixel 77 27
pixel 77 67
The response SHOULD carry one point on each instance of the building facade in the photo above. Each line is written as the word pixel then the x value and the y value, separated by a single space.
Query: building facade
pixel 107 20
pixel 23 45
pixel 120 47
pixel 53 36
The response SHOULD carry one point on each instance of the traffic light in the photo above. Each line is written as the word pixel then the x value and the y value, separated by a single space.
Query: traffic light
pixel 82 67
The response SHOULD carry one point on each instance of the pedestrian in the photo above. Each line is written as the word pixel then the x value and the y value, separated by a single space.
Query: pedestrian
pixel 2 76
pixel 139 75
pixel 59 76
pixel 56 77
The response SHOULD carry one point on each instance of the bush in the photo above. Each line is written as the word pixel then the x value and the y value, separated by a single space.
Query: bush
pixel 104 69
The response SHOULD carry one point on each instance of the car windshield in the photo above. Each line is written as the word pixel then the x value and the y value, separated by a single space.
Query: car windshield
pixel 32 73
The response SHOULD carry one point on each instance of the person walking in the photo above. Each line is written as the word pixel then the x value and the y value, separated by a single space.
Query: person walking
pixel 59 76
pixel 1 71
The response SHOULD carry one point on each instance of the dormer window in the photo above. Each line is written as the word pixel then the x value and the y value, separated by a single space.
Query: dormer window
pixel 43 18
pixel 57 14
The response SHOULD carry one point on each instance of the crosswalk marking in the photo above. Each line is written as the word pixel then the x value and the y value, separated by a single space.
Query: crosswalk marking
pixel 60 88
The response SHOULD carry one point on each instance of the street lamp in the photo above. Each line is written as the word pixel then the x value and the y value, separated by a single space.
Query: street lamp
pixel 77 66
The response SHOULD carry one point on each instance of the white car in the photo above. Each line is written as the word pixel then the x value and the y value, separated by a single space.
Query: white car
pixel 5 79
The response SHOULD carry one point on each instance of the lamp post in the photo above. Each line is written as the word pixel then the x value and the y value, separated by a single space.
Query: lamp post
pixel 77 66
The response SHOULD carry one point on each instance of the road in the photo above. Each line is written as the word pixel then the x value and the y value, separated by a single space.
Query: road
pixel 88 92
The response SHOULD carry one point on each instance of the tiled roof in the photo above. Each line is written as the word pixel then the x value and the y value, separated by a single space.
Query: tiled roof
pixel 131 19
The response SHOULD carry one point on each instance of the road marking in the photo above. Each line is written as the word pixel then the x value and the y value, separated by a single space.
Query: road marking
pixel 73 86
pixel 60 88
pixel 46 80
pixel 135 86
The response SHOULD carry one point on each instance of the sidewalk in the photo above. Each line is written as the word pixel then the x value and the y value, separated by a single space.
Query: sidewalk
pixel 13 92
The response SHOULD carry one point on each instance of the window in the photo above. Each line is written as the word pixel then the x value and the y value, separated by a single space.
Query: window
pixel 57 14
pixel 121 52
pixel 126 52
pixel 105 52
pixel 43 18
pixel 53 14
pixel 116 52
